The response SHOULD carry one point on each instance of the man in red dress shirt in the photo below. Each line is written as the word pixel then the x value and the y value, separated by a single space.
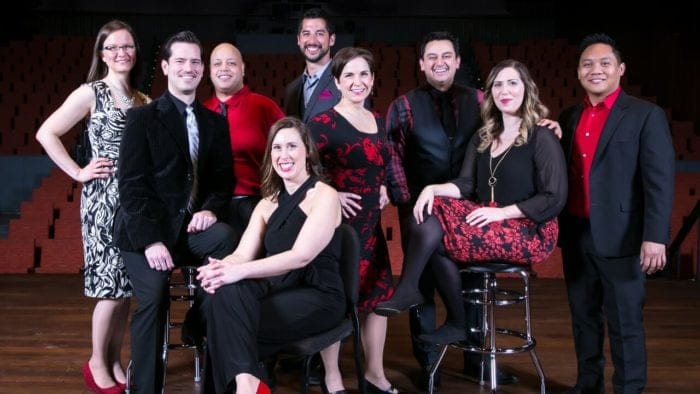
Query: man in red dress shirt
pixel 616 223
pixel 250 116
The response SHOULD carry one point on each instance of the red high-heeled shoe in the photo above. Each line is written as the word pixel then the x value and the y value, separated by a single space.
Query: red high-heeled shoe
pixel 262 388
pixel 89 379
pixel 92 385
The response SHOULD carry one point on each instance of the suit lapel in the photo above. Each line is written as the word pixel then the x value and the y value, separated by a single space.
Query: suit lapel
pixel 173 123
pixel 617 112
pixel 295 92
pixel 571 124
pixel 324 81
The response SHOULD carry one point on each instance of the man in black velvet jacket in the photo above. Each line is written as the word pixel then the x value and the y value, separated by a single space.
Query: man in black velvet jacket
pixel 174 178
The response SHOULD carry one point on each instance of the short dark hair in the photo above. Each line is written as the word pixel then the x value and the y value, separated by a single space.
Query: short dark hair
pixel 599 38
pixel 183 36
pixel 317 13
pixel 345 55
pixel 439 36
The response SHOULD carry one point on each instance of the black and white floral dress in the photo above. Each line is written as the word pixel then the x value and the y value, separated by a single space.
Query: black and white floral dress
pixel 104 272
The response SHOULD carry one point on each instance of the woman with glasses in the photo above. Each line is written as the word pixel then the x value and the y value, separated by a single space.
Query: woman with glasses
pixel 103 101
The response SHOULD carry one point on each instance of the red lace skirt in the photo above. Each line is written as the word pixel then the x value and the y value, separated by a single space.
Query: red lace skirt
pixel 515 240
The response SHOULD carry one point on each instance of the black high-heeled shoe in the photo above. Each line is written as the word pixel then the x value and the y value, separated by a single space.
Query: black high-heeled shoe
pixel 445 335
pixel 372 389
pixel 324 389
pixel 399 303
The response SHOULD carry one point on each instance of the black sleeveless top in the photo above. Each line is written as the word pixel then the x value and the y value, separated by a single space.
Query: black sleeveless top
pixel 282 230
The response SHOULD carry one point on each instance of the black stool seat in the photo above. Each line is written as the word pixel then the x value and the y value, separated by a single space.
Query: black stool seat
pixel 496 267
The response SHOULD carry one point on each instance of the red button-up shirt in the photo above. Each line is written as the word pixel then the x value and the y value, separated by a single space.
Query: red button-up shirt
pixel 250 116
pixel 586 137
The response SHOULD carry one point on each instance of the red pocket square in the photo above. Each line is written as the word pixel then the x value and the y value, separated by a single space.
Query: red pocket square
pixel 325 95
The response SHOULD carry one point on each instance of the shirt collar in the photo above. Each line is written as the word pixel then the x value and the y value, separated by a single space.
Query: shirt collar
pixel 179 104
pixel 607 101
pixel 318 73
pixel 437 94
pixel 236 96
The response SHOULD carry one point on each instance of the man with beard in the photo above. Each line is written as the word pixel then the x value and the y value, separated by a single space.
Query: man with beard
pixel 314 91
pixel 250 116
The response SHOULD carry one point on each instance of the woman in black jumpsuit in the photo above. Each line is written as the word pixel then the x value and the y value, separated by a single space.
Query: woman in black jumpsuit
pixel 257 304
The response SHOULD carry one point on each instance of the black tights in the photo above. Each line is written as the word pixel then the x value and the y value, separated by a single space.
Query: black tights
pixel 448 281
pixel 424 240
pixel 425 246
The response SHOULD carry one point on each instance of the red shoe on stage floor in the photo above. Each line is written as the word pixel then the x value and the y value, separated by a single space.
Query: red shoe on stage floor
pixel 92 385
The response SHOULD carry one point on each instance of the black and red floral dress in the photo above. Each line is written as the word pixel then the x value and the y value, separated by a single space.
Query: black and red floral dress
pixel 531 176
pixel 356 162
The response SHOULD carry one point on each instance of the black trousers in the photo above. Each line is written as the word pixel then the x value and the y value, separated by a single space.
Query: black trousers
pixel 252 319
pixel 610 289
pixel 151 291
pixel 422 317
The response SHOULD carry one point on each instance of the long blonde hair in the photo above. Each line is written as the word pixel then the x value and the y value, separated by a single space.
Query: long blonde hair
pixel 531 110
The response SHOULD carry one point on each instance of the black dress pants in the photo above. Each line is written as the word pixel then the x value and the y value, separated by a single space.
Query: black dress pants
pixel 610 289
pixel 151 292
pixel 252 319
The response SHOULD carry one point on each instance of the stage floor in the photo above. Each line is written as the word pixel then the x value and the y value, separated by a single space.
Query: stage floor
pixel 44 341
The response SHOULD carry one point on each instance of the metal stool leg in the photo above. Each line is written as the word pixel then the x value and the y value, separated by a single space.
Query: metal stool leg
pixel 484 329
pixel 166 344
pixel 528 326
pixel 190 285
pixel 128 378
pixel 489 297
pixel 191 291
pixel 434 368
pixel 491 306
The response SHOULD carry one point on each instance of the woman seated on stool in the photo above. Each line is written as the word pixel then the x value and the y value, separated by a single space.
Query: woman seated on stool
pixel 283 282
pixel 515 172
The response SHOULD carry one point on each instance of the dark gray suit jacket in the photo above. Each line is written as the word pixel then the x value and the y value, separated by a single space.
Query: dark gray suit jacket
pixel 631 180
pixel 325 96
pixel 155 173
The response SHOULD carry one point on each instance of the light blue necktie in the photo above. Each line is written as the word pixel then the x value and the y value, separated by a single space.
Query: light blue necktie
pixel 193 138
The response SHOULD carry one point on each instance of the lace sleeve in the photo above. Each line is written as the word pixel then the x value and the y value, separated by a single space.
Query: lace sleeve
pixel 466 182
pixel 551 181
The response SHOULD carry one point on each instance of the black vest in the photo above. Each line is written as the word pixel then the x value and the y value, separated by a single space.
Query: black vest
pixel 430 156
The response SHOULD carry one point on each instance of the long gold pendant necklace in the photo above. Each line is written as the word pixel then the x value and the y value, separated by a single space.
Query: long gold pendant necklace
pixel 492 172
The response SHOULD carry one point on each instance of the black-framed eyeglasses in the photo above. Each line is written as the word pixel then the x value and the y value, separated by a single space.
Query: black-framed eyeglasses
pixel 116 49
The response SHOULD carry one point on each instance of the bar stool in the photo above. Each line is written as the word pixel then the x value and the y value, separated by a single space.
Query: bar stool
pixel 491 296
pixel 179 290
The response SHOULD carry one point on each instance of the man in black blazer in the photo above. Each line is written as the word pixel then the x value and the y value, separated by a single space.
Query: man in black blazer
pixel 616 223
pixel 314 91
pixel 175 179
